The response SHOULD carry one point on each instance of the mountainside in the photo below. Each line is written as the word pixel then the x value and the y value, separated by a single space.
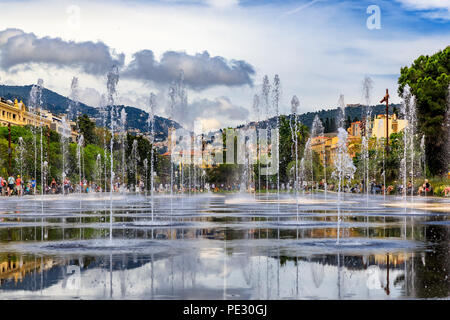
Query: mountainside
pixel 355 112
pixel 137 118
pixel 57 104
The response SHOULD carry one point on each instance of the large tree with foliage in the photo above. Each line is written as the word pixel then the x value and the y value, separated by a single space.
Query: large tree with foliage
pixel 287 150
pixel 429 78
pixel 87 128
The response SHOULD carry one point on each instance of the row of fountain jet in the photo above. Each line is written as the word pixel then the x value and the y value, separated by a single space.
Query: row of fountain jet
pixel 344 170
pixel 265 105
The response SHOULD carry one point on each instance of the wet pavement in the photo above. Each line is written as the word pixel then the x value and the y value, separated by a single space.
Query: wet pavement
pixel 224 246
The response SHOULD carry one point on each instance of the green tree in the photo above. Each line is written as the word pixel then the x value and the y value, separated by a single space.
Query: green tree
pixel 429 79
pixel 87 128
pixel 287 145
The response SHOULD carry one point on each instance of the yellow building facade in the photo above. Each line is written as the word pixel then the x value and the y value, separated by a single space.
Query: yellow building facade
pixel 327 146
pixel 16 114
pixel 395 125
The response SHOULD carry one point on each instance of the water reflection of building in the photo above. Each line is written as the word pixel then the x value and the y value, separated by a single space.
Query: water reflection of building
pixel 17 268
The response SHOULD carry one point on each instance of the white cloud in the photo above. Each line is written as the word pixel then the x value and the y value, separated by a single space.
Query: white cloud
pixel 200 70
pixel 319 53
pixel 18 48
pixel 222 3
pixel 220 109
pixel 426 4
pixel 209 124
pixel 432 9
pixel 89 96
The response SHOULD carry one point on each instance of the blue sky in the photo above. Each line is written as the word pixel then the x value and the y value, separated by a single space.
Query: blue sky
pixel 320 49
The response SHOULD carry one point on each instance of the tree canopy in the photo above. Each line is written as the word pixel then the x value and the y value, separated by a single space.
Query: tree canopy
pixel 429 79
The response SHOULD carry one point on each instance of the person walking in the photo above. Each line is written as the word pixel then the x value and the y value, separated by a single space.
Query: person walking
pixel 11 182
pixel 53 186
pixel 2 186
pixel 19 185
pixel 33 185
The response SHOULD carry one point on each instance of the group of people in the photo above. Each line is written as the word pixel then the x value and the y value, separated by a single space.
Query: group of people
pixel 17 186
pixel 66 187
pixel 10 186
pixel 376 188
pixel 422 190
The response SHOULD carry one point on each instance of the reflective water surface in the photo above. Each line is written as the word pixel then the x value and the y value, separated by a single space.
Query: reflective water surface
pixel 224 246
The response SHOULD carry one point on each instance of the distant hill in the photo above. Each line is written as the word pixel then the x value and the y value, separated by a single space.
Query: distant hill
pixel 58 104
pixel 355 112
pixel 137 118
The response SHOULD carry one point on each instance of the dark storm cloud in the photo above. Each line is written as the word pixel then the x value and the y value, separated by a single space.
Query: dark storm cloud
pixel 201 71
pixel 18 48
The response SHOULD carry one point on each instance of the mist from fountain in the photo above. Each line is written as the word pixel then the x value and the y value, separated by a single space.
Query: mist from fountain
pixel 20 156
pixel 151 127
pixel 98 170
pixel 111 84
pixel 145 164
pixel 302 175
pixel 408 162
pixel 308 165
pixel 367 86
pixel 104 115
pixel 423 159
pixel 276 96
pixel 123 146
pixel 64 139
pixel 343 163
pixel 317 131
pixel 80 144
pixel 179 111
pixel 294 135
pixel 35 103
pixel 265 98
pixel 257 115
pixel 72 110
pixel 72 114
pixel 134 160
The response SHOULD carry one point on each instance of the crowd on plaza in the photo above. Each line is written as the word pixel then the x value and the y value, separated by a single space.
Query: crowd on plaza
pixel 17 186
pixel 396 188
pixel 373 188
